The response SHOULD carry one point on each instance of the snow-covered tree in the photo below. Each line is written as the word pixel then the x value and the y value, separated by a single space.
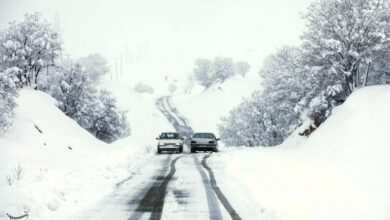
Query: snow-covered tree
pixel 241 68
pixel 7 100
pixel 291 94
pixel 95 65
pixel 203 72
pixel 208 72
pixel 223 68
pixel 77 96
pixel 93 109
pixel 342 35
pixel 346 45
pixel 30 45
pixel 111 124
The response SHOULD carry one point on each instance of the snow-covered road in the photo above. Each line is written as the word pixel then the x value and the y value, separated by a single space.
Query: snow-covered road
pixel 172 186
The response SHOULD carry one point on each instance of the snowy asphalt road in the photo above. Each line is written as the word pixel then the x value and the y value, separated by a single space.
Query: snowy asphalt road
pixel 172 186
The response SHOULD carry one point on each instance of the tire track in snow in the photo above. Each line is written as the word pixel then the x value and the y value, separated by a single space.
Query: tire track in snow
pixel 171 114
pixel 212 201
pixel 174 118
pixel 229 208
pixel 153 201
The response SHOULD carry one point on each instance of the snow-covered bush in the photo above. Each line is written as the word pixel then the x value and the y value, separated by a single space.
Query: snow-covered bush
pixel 143 88
pixel 209 72
pixel 241 68
pixel 8 93
pixel 172 88
pixel 111 124
pixel 93 109
pixel 30 45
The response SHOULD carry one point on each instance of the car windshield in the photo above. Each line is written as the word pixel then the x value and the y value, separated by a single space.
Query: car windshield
pixel 169 136
pixel 203 135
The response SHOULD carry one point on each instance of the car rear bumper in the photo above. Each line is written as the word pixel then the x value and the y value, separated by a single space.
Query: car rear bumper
pixel 169 147
pixel 203 146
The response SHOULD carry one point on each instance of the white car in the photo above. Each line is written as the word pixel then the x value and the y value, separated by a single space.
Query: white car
pixel 170 141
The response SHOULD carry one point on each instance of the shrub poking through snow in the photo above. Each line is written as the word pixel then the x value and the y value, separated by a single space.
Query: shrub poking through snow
pixel 143 88
pixel 16 174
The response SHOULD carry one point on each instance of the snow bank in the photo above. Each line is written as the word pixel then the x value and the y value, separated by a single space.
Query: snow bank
pixel 340 172
pixel 65 169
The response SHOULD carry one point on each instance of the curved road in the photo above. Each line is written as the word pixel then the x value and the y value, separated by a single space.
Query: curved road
pixel 173 186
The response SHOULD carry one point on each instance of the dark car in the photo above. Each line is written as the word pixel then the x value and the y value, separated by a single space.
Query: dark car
pixel 204 142
pixel 170 141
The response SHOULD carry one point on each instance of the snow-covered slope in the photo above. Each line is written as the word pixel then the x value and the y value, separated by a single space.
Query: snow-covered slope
pixel 340 172
pixel 204 108
pixel 65 169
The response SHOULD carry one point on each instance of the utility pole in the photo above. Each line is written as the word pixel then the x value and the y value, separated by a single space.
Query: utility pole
pixel 116 69
pixel 126 54
pixel 121 65
pixel 111 74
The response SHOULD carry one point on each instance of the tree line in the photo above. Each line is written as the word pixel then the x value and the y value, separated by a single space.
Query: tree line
pixel 345 46
pixel 209 72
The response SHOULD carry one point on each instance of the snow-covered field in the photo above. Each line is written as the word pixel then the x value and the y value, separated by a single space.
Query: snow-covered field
pixel 65 169
pixel 340 172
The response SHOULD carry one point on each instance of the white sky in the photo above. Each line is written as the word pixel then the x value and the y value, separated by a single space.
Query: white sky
pixel 169 33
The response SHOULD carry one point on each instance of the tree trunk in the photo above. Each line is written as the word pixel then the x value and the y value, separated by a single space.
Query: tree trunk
pixel 357 76
pixel 366 76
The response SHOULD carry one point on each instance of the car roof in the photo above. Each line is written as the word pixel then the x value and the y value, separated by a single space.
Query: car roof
pixel 203 133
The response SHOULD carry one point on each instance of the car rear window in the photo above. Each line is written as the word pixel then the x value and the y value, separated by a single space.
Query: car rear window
pixel 169 136
pixel 203 135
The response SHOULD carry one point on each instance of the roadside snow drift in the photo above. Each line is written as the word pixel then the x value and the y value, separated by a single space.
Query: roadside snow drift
pixel 53 168
pixel 340 172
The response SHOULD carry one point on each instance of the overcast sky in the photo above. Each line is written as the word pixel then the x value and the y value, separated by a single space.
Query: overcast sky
pixel 169 31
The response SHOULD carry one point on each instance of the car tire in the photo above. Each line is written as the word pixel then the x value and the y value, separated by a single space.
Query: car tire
pixel 215 149
pixel 159 151
pixel 193 150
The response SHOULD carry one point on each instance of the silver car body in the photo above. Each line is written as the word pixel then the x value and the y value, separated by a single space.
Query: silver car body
pixel 204 142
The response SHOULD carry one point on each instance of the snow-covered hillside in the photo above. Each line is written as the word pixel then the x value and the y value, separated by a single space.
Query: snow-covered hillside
pixel 65 169
pixel 204 108
pixel 339 172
